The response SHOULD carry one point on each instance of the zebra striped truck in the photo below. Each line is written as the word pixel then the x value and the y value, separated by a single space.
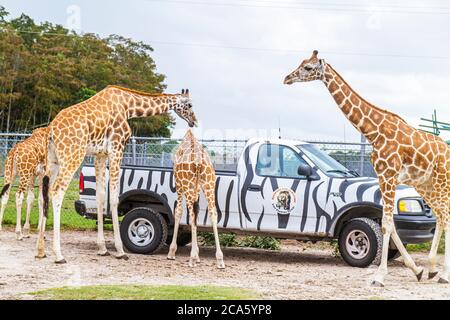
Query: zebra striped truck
pixel 282 188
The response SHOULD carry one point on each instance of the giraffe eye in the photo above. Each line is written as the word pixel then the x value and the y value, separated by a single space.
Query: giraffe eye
pixel 308 68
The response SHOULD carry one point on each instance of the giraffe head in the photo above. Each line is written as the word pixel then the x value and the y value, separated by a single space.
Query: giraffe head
pixel 183 108
pixel 309 70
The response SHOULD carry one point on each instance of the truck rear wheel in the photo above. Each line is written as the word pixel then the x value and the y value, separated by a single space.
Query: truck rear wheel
pixel 143 230
pixel 360 242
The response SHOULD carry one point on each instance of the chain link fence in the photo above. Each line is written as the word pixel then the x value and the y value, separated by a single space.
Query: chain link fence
pixel 158 152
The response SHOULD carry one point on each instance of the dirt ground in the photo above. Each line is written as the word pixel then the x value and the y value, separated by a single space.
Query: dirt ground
pixel 297 271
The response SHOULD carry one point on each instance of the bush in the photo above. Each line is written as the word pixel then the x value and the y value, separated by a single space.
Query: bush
pixel 231 240
pixel 260 242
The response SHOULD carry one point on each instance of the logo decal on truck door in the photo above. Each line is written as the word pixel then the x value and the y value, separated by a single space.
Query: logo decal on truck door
pixel 284 200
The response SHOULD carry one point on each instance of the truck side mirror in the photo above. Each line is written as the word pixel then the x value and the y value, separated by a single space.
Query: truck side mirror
pixel 304 170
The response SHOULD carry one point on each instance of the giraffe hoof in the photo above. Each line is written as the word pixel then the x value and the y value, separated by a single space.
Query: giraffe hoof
pixel 62 261
pixel 431 275
pixel 419 275
pixel 27 236
pixel 103 254
pixel 220 265
pixel 443 281
pixel 122 257
pixel 40 257
pixel 170 257
pixel 377 284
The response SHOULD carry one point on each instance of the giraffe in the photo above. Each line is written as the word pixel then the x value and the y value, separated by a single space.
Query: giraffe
pixel 98 127
pixel 401 155
pixel 27 158
pixel 193 171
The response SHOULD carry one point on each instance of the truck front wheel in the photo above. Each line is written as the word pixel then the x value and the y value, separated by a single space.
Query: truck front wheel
pixel 143 230
pixel 360 242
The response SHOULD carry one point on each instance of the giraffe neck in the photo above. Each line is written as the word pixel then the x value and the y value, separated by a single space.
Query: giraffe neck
pixel 139 104
pixel 365 117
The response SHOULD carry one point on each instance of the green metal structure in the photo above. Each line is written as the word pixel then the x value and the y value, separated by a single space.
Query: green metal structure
pixel 433 126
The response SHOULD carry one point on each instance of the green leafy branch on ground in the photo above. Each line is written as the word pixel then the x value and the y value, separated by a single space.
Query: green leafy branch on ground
pixel 232 240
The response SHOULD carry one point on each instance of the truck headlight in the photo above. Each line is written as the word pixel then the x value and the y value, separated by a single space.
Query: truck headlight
pixel 409 205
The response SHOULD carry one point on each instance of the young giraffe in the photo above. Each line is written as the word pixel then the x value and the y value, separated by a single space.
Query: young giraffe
pixel 99 127
pixel 193 171
pixel 401 155
pixel 27 158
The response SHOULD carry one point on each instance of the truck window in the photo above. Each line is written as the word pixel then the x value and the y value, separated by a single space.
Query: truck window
pixel 278 161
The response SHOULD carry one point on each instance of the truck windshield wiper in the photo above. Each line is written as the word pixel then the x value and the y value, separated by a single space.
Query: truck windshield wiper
pixel 340 171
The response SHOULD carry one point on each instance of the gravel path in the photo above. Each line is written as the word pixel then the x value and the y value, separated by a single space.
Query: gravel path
pixel 298 271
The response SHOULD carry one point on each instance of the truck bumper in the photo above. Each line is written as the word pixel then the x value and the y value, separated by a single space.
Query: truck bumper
pixel 415 229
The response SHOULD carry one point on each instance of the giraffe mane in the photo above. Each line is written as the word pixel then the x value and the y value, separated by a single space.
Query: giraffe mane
pixel 364 100
pixel 142 93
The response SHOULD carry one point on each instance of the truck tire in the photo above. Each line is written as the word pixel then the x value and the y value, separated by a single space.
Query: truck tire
pixel 184 238
pixel 393 254
pixel 360 242
pixel 143 230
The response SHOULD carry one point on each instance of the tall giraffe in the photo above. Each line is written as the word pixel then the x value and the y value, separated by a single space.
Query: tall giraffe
pixel 193 171
pixel 27 159
pixel 401 155
pixel 99 127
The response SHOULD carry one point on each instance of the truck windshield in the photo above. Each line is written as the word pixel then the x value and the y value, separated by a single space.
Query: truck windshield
pixel 325 162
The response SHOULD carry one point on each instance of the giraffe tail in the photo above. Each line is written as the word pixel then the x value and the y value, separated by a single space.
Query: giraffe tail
pixel 9 171
pixel 45 187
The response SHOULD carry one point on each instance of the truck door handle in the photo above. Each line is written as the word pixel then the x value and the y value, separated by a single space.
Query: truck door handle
pixel 254 187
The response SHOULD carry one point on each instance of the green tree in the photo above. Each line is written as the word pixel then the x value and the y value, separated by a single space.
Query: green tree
pixel 45 68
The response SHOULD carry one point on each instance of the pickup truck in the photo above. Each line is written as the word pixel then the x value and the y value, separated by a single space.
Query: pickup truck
pixel 282 188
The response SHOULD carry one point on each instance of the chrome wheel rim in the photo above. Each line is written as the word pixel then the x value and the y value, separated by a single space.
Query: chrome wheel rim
pixel 357 244
pixel 141 232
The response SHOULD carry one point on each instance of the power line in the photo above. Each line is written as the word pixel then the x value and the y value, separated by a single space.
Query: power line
pixel 313 7
pixel 286 51
pixel 325 4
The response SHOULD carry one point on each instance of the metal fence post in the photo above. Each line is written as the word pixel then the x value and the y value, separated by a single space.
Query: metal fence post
pixel 133 149
pixel 363 153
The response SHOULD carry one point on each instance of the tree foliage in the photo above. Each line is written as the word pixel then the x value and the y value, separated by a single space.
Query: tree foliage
pixel 46 67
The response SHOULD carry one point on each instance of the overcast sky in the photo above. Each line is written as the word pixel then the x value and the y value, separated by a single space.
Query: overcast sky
pixel 233 56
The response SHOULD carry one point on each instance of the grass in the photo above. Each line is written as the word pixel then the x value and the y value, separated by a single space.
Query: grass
pixel 69 218
pixel 425 247
pixel 146 292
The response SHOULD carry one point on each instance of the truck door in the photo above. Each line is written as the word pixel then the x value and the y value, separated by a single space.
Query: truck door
pixel 274 197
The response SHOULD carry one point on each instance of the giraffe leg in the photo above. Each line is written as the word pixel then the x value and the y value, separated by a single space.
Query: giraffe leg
pixel 100 171
pixel 219 254
pixel 30 199
pixel 408 261
pixel 194 245
pixel 387 188
pixel 445 275
pixel 4 202
pixel 53 171
pixel 19 201
pixel 68 165
pixel 388 225
pixel 432 271
pixel 114 170
pixel 209 193
pixel 40 204
pixel 178 214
